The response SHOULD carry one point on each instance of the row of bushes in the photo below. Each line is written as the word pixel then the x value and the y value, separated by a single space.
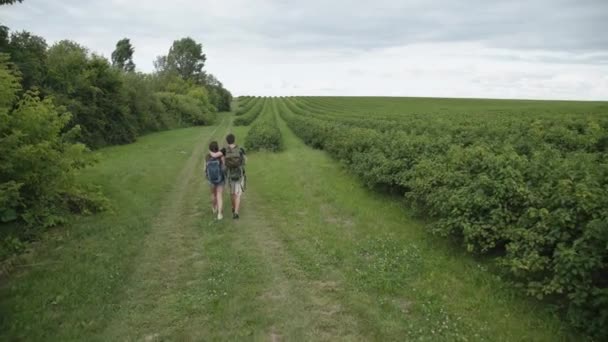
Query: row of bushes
pixel 244 104
pixel 38 158
pixel 535 194
pixel 58 102
pixel 252 113
pixel 265 133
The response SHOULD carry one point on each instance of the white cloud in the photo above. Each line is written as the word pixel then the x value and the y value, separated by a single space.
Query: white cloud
pixel 473 48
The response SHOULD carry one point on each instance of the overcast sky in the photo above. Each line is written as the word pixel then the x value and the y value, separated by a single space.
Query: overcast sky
pixel 547 49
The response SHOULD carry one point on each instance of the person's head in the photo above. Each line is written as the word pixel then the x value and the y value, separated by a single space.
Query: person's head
pixel 230 139
pixel 213 146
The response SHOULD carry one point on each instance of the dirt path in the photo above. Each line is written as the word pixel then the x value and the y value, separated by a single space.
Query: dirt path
pixel 167 256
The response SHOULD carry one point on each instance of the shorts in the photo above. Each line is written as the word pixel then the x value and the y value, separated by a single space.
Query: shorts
pixel 236 187
pixel 211 185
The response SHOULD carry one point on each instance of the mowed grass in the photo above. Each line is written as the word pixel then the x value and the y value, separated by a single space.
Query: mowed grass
pixel 315 256
pixel 359 267
pixel 68 287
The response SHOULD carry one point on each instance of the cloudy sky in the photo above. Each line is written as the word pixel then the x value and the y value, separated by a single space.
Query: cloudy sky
pixel 547 49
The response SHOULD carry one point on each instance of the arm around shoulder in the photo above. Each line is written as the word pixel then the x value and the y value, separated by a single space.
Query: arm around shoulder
pixel 216 154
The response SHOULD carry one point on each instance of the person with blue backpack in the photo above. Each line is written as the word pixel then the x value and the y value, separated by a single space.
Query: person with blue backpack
pixel 214 171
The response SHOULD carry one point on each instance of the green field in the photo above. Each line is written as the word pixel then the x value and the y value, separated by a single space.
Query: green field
pixel 374 219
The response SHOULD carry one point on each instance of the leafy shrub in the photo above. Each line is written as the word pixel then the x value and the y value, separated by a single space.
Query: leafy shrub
pixel 252 113
pixel 264 133
pixel 183 110
pixel 93 92
pixel 37 160
pixel 245 104
pixel 528 187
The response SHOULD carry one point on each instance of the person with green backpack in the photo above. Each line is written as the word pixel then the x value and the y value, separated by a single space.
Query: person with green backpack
pixel 234 159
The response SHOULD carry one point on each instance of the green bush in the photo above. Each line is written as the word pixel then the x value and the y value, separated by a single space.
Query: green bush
pixel 245 104
pixel 38 161
pixel 264 133
pixel 252 113
pixel 143 102
pixel 530 188
pixel 93 92
pixel 184 110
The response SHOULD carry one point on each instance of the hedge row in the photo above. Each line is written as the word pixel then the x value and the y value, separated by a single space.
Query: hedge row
pixel 251 114
pixel 531 189
pixel 244 104
pixel 38 160
pixel 265 133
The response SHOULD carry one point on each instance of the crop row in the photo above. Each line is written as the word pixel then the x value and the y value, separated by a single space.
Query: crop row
pixel 265 133
pixel 244 104
pixel 532 189
pixel 252 113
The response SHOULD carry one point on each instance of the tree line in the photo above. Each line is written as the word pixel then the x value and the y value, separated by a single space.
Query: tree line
pixel 60 101
pixel 109 100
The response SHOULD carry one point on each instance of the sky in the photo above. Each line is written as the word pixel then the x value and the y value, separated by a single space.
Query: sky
pixel 539 49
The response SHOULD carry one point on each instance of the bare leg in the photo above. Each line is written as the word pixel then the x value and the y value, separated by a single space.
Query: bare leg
pixel 213 199
pixel 237 203
pixel 219 200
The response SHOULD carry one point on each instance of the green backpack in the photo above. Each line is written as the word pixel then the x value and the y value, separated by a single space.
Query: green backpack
pixel 234 163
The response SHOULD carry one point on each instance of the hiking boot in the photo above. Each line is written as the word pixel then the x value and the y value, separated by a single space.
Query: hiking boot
pixel 220 216
pixel 232 211
pixel 235 216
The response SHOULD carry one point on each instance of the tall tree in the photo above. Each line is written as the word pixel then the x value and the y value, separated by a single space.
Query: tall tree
pixel 160 63
pixel 122 57
pixel 4 39
pixel 186 57
pixel 28 52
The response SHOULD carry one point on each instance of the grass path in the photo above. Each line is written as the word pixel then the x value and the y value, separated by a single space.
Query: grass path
pixel 315 256
pixel 169 254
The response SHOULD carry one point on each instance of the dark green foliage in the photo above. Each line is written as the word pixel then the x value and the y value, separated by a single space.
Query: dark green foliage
pixel 264 133
pixel 93 92
pixel 219 96
pixel 183 110
pixel 186 57
pixel 37 159
pixel 528 183
pixel 122 57
pixel 143 103
pixel 28 52
pixel 185 61
pixel 4 39
pixel 77 98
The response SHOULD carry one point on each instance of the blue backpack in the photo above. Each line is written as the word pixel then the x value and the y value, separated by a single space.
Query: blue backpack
pixel 214 171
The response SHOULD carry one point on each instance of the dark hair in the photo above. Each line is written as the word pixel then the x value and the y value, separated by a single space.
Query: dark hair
pixel 213 147
pixel 230 138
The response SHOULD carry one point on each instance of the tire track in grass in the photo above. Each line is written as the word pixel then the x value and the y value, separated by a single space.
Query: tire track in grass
pixel 149 306
pixel 296 306
pixel 399 283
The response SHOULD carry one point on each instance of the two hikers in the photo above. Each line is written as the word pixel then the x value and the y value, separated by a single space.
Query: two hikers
pixel 231 161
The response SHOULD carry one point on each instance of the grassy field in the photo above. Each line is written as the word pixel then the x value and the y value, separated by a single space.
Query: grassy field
pixel 315 256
